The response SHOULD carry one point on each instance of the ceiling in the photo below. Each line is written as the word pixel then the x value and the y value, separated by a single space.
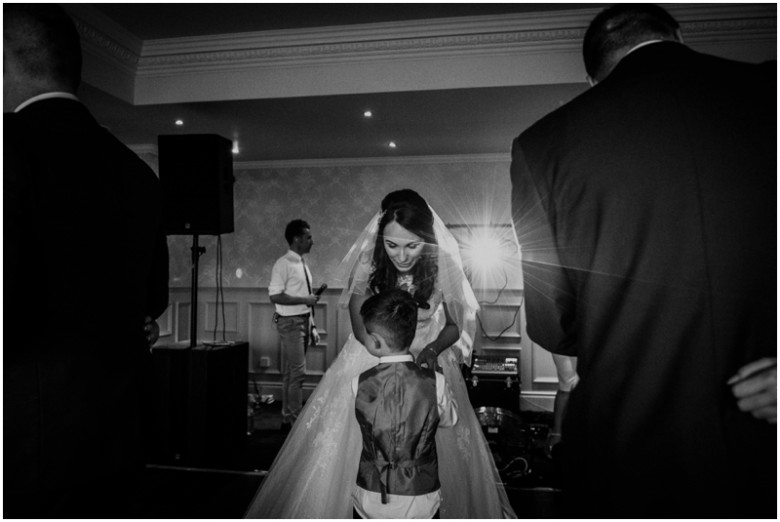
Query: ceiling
pixel 422 123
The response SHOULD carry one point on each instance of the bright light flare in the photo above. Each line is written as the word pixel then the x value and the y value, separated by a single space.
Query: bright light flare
pixel 485 253
pixel 490 255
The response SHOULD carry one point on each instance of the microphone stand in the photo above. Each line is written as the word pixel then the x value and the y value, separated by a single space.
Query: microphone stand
pixel 196 253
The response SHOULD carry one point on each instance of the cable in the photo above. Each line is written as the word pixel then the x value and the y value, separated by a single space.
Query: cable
pixel 220 296
pixel 221 287
pixel 496 338
pixel 500 291
pixel 498 296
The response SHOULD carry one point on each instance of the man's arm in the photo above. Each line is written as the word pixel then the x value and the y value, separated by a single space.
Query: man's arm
pixel 549 296
pixel 284 299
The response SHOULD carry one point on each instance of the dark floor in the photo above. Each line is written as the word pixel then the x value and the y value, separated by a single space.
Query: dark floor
pixel 225 487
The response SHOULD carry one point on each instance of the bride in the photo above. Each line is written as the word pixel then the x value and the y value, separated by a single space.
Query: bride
pixel 405 245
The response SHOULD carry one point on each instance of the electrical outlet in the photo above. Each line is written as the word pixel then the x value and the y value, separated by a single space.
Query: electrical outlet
pixel 265 362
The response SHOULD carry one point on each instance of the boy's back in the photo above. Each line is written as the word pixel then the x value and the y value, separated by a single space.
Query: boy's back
pixel 399 406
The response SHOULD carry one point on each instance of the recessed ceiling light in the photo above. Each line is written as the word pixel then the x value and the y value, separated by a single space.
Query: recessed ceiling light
pixel 368 114
pixel 179 122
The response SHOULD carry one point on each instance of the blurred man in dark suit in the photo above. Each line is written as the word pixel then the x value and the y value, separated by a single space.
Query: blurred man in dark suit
pixel 85 262
pixel 646 211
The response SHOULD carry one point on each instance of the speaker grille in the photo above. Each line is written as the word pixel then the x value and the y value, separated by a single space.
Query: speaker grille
pixel 196 173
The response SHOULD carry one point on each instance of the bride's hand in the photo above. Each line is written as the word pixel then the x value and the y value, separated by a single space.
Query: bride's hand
pixel 428 358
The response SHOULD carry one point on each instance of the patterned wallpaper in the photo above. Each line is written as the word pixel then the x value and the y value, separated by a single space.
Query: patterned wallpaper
pixel 337 200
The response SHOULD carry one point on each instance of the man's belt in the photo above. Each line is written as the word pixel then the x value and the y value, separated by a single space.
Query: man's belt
pixel 299 315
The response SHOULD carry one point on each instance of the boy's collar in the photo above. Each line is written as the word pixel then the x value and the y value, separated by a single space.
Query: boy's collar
pixel 396 358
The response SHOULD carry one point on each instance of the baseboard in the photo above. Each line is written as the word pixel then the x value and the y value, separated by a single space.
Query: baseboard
pixel 537 401
pixel 529 401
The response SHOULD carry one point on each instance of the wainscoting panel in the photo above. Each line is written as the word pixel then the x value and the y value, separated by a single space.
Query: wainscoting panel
pixel 216 321
pixel 165 322
pixel 498 328
pixel 262 337
pixel 249 317
pixel 544 374
pixel 182 320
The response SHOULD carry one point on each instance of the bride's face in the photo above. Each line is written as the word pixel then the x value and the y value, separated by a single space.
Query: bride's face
pixel 403 247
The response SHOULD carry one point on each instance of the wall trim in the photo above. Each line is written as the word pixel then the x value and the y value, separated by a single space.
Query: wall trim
pixel 511 33
pixel 288 63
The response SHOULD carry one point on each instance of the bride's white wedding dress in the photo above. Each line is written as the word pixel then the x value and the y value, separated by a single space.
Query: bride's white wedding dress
pixel 314 474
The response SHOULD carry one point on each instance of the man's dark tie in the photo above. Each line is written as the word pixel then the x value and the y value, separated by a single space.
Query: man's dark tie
pixel 308 285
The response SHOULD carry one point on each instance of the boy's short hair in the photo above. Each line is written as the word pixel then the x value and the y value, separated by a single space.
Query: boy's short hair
pixel 392 314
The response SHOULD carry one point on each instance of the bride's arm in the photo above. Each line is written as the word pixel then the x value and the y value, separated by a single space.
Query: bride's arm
pixel 355 302
pixel 446 338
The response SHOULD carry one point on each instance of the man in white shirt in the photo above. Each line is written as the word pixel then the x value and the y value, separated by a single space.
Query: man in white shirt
pixel 290 291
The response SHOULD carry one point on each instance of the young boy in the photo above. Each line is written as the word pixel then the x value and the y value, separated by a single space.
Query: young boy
pixel 399 406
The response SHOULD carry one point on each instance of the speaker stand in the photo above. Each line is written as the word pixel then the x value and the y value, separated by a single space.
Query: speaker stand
pixel 197 251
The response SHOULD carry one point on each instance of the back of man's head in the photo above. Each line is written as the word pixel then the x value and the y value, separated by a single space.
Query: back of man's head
pixel 618 28
pixel 41 48
pixel 392 314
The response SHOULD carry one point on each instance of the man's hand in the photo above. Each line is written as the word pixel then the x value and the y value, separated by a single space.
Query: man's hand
pixel 310 300
pixel 755 388
pixel 315 336
pixel 152 330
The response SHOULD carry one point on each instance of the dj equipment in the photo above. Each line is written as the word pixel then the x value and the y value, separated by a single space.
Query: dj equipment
pixel 196 174
pixel 494 381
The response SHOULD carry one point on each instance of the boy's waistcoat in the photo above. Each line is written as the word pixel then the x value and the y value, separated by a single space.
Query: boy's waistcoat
pixel 398 415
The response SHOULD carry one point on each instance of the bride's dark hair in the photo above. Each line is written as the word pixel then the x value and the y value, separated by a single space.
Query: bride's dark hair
pixel 410 210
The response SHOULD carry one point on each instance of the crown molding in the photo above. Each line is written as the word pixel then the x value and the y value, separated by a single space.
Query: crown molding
pixel 515 33
pixel 391 40
pixel 103 36
pixel 485 51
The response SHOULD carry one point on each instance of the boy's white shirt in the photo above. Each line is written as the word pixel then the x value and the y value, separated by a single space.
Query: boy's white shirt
pixel 406 506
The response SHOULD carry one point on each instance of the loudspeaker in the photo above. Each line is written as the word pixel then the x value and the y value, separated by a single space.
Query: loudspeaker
pixel 217 403
pixel 196 172
pixel 169 402
pixel 200 406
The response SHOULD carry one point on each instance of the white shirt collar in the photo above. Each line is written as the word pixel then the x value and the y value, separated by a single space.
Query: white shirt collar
pixel 396 358
pixel 46 96
pixel 642 45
